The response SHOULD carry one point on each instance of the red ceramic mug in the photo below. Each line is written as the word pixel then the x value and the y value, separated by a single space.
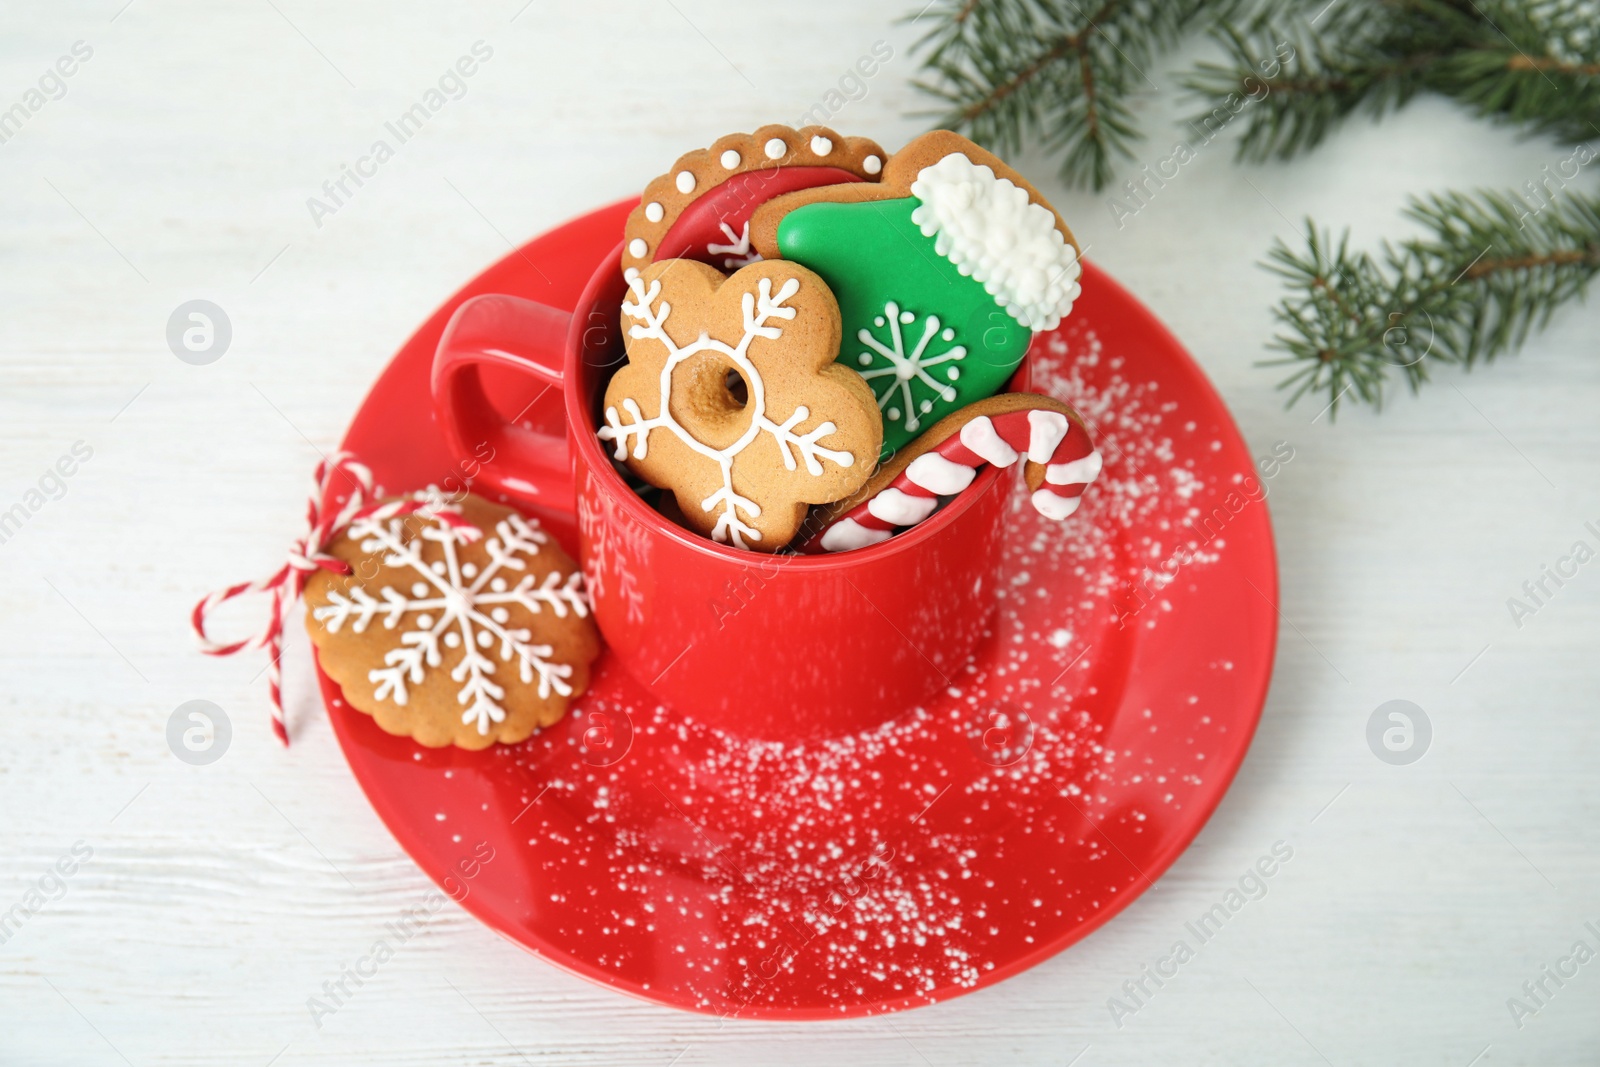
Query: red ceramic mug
pixel 776 647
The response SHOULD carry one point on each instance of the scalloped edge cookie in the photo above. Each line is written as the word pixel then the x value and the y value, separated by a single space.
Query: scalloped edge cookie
pixel 772 146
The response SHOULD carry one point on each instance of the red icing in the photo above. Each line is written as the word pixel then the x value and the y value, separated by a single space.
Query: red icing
pixel 733 202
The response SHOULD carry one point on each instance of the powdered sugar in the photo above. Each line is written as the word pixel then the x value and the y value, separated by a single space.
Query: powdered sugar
pixel 891 867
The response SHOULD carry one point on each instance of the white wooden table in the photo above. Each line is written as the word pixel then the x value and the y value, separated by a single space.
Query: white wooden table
pixel 177 166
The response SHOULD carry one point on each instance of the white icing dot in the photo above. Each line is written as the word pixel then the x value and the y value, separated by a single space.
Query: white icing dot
pixel 438 566
pixel 498 585
pixel 485 638
pixel 948 335
pixel 927 406
pixel 419 590
pixel 730 159
pixel 452 639
pixel 820 145
pixel 469 570
pixel 654 211
pixel 685 181
pixel 500 614
pixel 776 148
pixel 878 321
pixel 628 276
pixel 953 373
pixel 907 318
pixel 424 621
pixel 872 164
pixel 865 359
pixel 637 248
pixel 894 413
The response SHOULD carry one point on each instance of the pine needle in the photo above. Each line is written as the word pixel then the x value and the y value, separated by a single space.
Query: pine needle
pixel 1491 269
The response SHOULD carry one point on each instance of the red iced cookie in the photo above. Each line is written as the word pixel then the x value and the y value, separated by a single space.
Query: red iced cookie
pixel 701 208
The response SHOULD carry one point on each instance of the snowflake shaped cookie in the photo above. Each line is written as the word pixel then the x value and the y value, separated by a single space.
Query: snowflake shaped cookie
pixel 731 398
pixel 454 636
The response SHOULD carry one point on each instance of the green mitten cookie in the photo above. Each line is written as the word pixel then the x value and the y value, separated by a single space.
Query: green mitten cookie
pixel 939 292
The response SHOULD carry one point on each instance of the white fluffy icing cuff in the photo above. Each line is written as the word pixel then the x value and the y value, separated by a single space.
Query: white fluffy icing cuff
pixel 991 231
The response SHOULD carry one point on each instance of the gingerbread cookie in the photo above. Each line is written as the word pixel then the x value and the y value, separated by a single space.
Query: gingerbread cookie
pixel 943 269
pixel 467 633
pixel 732 400
pixel 701 208
pixel 1061 462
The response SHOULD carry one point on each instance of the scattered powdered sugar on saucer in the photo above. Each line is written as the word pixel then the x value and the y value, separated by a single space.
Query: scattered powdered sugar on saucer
pixel 1144 484
pixel 884 867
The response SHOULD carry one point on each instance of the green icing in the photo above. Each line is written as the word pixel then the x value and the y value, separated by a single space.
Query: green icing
pixel 910 318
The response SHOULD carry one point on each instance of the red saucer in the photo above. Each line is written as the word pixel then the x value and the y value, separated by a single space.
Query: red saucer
pixel 1051 782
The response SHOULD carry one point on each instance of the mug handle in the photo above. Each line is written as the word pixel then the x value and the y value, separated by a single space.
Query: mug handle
pixel 528 337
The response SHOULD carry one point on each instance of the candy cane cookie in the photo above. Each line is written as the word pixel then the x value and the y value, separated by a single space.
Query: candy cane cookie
pixel 1060 463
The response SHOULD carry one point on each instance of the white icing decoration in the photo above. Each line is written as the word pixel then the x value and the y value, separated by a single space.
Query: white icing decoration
pixel 759 308
pixel 776 148
pixel 457 611
pixel 982 439
pixel 849 534
pixel 1052 506
pixel 630 274
pixel 654 211
pixel 685 181
pixel 742 254
pixel 730 159
pixel 820 145
pixel 938 475
pixel 872 164
pixel 637 248
pixel 1085 470
pixel 901 508
pixel 1045 431
pixel 902 367
pixel 989 228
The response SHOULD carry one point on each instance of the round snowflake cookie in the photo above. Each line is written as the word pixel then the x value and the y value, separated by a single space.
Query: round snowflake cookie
pixel 701 208
pixel 466 633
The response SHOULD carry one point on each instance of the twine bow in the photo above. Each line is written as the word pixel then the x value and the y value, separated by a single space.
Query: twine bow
pixel 307 555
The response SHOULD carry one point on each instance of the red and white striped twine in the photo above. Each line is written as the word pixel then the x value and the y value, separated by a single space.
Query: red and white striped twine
pixel 1038 435
pixel 306 557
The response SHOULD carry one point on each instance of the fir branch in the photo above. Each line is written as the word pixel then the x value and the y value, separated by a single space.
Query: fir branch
pixel 1536 65
pixel 1063 75
pixel 1491 269
pixel 1056 73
